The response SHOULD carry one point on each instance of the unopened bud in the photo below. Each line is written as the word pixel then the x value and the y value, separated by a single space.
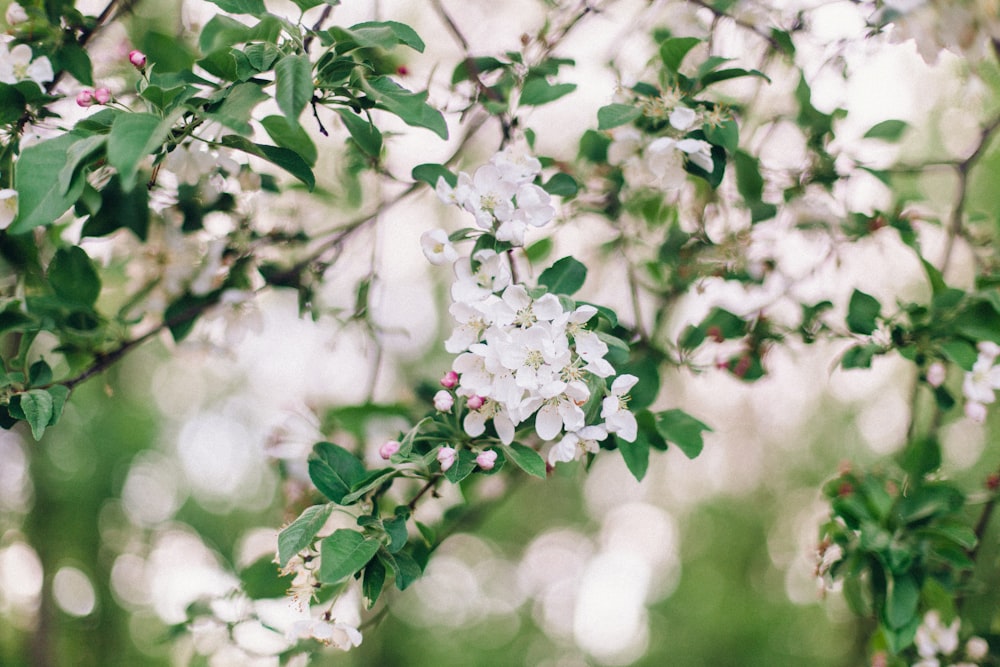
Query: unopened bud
pixel 977 648
pixel 443 401
pixel 137 58
pixel 85 98
pixel 15 14
pixel 993 481
pixel 487 459
pixel 936 373
pixel 446 457
pixel 102 95
pixel 475 402
pixel 449 380
pixel 388 448
pixel 976 412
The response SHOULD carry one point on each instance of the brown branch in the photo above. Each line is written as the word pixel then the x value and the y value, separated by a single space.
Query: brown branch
pixel 431 483
pixel 316 26
pixel 746 25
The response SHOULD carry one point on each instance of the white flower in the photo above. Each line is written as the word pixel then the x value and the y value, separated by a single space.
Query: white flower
pixel 698 151
pixel 516 165
pixel 437 247
pixel 491 197
pixel 977 648
pixel 8 207
pixel 15 14
pixel 189 164
pixel 592 350
pixel 17 65
pixel 574 444
pixel 936 374
pixel 976 412
pixel 665 163
pixel 625 145
pixel 562 411
pixel 982 380
pixel 491 275
pixel 614 410
pixel 331 633
pixel 933 638
pixel 681 118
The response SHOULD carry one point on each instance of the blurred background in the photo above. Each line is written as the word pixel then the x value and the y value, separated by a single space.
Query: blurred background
pixel 169 475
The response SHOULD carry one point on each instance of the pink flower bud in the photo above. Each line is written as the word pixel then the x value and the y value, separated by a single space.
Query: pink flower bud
pixel 446 457
pixel 85 98
pixel 443 401
pixel 388 448
pixel 137 58
pixel 936 374
pixel 475 402
pixel 449 380
pixel 975 412
pixel 487 459
pixel 102 95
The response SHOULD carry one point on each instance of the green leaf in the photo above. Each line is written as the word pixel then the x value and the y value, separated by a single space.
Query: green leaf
pixel 73 277
pixel 365 134
pixel 119 209
pixel 566 276
pixel 863 312
pixel 370 481
pixel 12 104
pixel 133 137
pixel 59 394
pixel 902 596
pixel 411 108
pixel 859 356
pixel 748 179
pixel 404 568
pixel 920 457
pixel 36 406
pixel 288 160
pixel 683 430
pixel 481 65
pixel 673 50
pixel 538 91
pixel 614 115
pixel 262 580
pixel 235 110
pixel 732 73
pixel 73 58
pixel 373 581
pixel 40 198
pixel 334 470
pixel 538 250
pixel 562 185
pixel 294 86
pixel 300 533
pixel 962 352
pixel 636 455
pixel 252 7
pixel 295 138
pixel 525 458
pixel 384 35
pixel 979 322
pixel 465 463
pixel 887 130
pixel 430 173
pixel 76 156
pixel 726 135
pixel 395 528
pixel 343 553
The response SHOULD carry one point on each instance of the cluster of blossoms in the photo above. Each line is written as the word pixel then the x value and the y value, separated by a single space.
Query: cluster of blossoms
pixel 936 640
pixel 965 28
pixel 521 353
pixel 501 197
pixel 659 162
pixel 982 382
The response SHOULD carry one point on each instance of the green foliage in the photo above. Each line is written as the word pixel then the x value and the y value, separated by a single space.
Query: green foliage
pixel 566 276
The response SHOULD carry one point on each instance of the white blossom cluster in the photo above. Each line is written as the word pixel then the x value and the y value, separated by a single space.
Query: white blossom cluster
pixel 501 196
pixel 982 381
pixel 19 64
pixel 658 162
pixel 965 28
pixel 936 640
pixel 521 354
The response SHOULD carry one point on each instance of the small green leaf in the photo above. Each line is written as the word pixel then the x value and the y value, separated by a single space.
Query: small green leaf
pixel 73 276
pixel 859 356
pixel 36 405
pixel 133 137
pixel 562 185
pixel 863 312
pixel 920 457
pixel 538 91
pixel 962 352
pixel 902 596
pixel 288 160
pixel 343 553
pixel 430 173
pixel 12 104
pixel 373 582
pixel 262 580
pixel 732 73
pixel 566 276
pixel 525 458
pixel 369 482
pixel 673 50
pixel 300 533
pixel 334 470
pixel 294 138
pixel 887 130
pixel 236 109
pixel 683 430
pixel 40 198
pixel 385 35
pixel 404 568
pixel 412 108
pixel 748 179
pixel 294 86
pixel 395 528
pixel 636 455
pixel 39 373
pixel 465 463
pixel 365 134
pixel 252 7
pixel 614 115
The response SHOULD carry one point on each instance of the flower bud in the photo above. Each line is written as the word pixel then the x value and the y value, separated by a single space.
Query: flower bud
pixel 137 58
pixel 977 648
pixel 936 373
pixel 85 98
pixel 446 457
pixel 449 380
pixel 487 459
pixel 475 402
pixel 15 14
pixel 976 412
pixel 443 401
pixel 102 95
pixel 388 448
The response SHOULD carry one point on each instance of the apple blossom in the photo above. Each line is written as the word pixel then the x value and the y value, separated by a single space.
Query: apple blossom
pixel 446 457
pixel 15 14
pixel 486 459
pixel 936 374
pixel 85 98
pixel 934 638
pixel 388 448
pixel 443 400
pixel 102 95
pixel 613 409
pixel 137 58
pixel 449 380
pixel 437 248
pixel 18 65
